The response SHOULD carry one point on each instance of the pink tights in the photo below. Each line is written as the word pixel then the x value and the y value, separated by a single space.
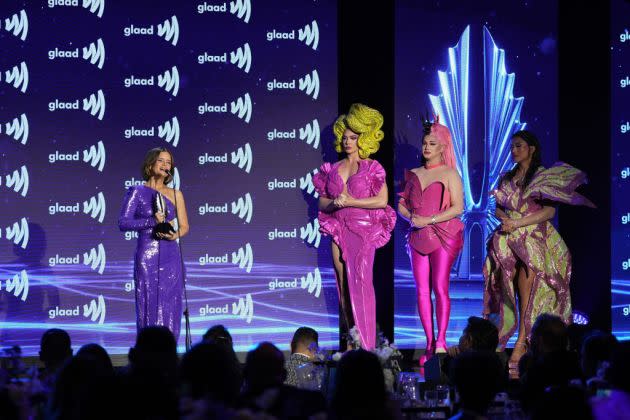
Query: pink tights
pixel 432 272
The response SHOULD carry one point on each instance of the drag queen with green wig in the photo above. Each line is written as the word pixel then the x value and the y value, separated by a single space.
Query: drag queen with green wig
pixel 353 210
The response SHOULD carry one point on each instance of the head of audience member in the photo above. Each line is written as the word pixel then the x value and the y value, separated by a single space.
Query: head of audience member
pixel 85 388
pixel 55 348
pixel 305 341
pixel 359 387
pixel 477 377
pixel 597 348
pixel 155 350
pixel 98 354
pixel 264 368
pixel 549 334
pixel 618 373
pixel 577 333
pixel 219 334
pixel 210 370
pixel 479 335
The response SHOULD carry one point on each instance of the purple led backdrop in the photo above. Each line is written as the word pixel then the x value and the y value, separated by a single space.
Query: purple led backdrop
pixel 243 92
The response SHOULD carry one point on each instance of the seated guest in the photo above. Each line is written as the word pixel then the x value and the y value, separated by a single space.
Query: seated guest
pixel 264 389
pixel 360 388
pixel 479 335
pixel 218 333
pixel 55 350
pixel 303 348
pixel 597 350
pixel 616 405
pixel 476 376
pixel 549 335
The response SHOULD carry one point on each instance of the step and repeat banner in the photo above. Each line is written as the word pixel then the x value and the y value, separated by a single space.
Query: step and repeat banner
pixel 488 70
pixel 242 92
pixel 620 167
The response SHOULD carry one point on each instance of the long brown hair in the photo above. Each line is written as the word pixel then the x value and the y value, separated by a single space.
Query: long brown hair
pixel 149 160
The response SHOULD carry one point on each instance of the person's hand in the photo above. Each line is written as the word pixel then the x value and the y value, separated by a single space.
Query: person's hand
pixel 508 225
pixel 159 217
pixel 168 236
pixel 420 221
pixel 342 201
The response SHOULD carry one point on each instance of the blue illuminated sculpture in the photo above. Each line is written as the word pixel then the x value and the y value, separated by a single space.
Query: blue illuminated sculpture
pixel 501 119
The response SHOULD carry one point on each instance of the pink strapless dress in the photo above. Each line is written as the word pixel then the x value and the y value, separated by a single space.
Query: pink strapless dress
pixel 357 232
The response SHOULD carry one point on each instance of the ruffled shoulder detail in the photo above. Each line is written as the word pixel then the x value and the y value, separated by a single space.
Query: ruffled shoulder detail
pixel 405 194
pixel 558 183
pixel 320 179
pixel 376 174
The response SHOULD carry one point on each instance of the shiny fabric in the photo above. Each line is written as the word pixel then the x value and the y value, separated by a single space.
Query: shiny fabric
pixel 357 232
pixel 432 251
pixel 157 271
pixel 539 247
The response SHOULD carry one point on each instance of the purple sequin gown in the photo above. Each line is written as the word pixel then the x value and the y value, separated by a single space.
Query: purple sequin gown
pixel 157 267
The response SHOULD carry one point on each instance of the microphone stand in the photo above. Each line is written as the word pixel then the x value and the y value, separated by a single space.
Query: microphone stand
pixel 181 258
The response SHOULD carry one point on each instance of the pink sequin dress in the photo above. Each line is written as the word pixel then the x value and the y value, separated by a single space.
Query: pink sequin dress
pixel 357 232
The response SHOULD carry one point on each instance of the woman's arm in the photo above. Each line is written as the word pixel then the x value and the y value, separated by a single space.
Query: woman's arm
pixel 542 215
pixel 378 201
pixel 326 204
pixel 404 211
pixel 182 220
pixel 127 219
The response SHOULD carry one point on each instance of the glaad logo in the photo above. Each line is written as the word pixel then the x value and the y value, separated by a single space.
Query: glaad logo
pixel 241 107
pixel 17 233
pixel 169 30
pixel 94 104
pixel 625 127
pixel 625 172
pixel 95 207
pixel 625 82
pixel 242 207
pixel 306 183
pixel 309 35
pixel 18 129
pixel 169 131
pixel 95 6
pixel 311 234
pixel 93 53
pixel 169 81
pixel 96 310
pixel 624 36
pixel 95 155
pixel 175 183
pixel 18 285
pixel 625 219
pixel 17 25
pixel 96 258
pixel 310 134
pixel 309 84
pixel 17 77
pixel 241 58
pixel 242 9
pixel 242 157
pixel 18 181
pixel 244 308
pixel 244 257
pixel 311 282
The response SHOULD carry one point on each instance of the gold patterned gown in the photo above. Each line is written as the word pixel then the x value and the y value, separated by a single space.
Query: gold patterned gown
pixel 538 246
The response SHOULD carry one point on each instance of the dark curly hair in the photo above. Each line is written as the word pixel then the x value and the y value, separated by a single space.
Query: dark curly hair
pixel 531 140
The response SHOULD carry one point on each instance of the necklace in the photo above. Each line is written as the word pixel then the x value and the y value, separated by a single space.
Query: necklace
pixel 429 167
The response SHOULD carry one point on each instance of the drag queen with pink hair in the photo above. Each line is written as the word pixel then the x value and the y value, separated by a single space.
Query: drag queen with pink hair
pixel 353 210
pixel 431 201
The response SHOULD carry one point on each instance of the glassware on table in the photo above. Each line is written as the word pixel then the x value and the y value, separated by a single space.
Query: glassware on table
pixel 431 398
pixel 443 396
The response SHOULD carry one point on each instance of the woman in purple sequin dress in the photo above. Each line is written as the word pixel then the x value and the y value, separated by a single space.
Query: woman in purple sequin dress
pixel 354 212
pixel 157 272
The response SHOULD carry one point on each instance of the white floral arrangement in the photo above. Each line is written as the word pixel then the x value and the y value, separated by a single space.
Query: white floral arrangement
pixel 387 353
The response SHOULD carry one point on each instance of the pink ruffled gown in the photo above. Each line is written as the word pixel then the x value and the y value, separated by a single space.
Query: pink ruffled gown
pixel 357 232
pixel 432 251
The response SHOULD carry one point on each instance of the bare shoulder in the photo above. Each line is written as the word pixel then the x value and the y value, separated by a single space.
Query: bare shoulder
pixel 451 173
pixel 418 170
pixel 180 195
